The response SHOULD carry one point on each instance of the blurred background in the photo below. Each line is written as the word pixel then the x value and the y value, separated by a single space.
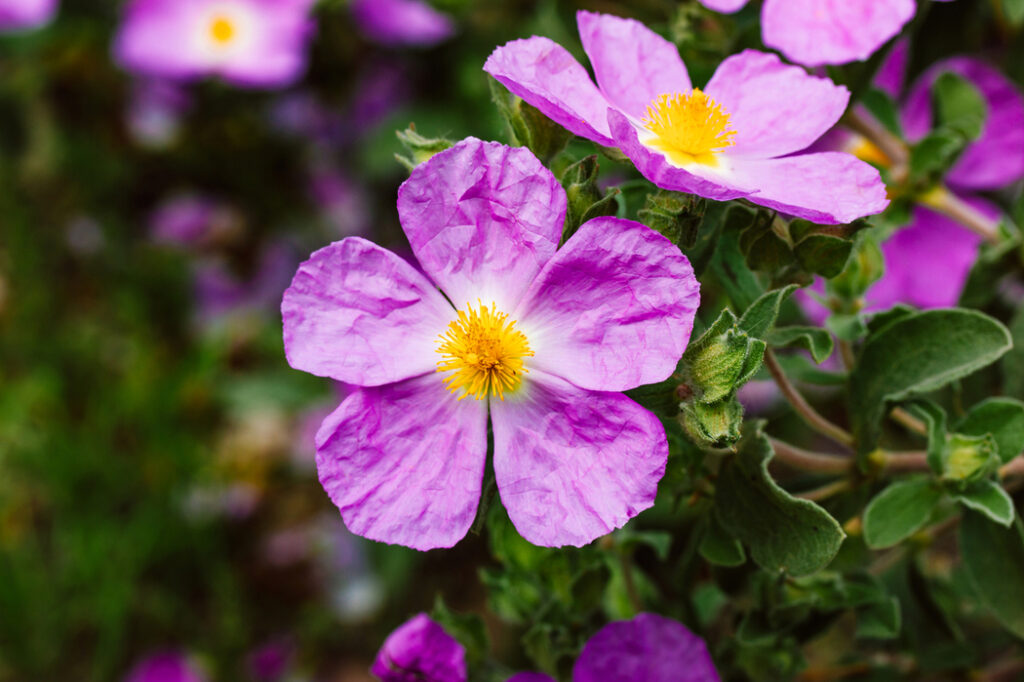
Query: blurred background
pixel 158 492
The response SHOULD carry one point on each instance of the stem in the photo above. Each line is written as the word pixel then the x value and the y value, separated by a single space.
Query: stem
pixel 912 460
pixel 1015 467
pixel 806 460
pixel 908 420
pixel 629 583
pixel 810 415
pixel 826 491
pixel 950 205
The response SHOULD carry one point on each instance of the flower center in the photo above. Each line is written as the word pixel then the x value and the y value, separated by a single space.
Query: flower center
pixel 688 128
pixel 222 30
pixel 485 352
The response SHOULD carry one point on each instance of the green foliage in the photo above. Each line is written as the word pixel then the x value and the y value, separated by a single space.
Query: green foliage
pixel 990 499
pixel 815 340
pixel 585 199
pixel 915 354
pixel 1003 419
pixel 784 534
pixel 676 215
pixel 899 511
pixel 420 148
pixel 527 126
pixel 994 559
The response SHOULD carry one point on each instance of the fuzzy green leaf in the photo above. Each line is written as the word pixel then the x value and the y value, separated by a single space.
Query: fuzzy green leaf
pixel 1001 417
pixel 899 511
pixel 814 339
pixel 994 559
pixel 989 498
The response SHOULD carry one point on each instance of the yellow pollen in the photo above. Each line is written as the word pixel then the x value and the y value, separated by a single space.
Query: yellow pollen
pixel 689 128
pixel 222 30
pixel 485 351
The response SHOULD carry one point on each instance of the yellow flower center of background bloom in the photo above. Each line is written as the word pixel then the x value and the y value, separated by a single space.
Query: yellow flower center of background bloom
pixel 222 30
pixel 866 150
pixel 486 352
pixel 688 128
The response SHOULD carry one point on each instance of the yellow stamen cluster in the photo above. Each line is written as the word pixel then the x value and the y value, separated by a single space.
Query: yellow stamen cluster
pixel 689 128
pixel 222 30
pixel 486 352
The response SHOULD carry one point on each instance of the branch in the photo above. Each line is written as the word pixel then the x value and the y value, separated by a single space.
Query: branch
pixel 806 460
pixel 809 414
pixel 950 205
pixel 826 491
pixel 909 421
pixel 1015 467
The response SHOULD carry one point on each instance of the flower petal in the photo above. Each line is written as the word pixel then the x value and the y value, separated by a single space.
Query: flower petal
pixel 816 32
pixel 633 64
pixel 530 677
pixel 613 309
pixel 360 314
pixel 774 108
pixel 544 74
pixel 572 465
pixel 649 648
pixel 995 159
pixel 654 166
pixel 724 6
pixel 482 219
pixel 826 187
pixel 420 649
pixel 404 462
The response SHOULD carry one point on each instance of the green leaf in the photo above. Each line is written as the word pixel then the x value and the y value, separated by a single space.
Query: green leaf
pixel 994 559
pixel 934 154
pixel 916 354
pixel 814 339
pixel 728 264
pixel 989 498
pixel 880 620
pixel 659 541
pixel 884 109
pixel 764 247
pixel 585 199
pixel 714 424
pixel 1014 10
pixel 783 533
pixel 847 327
pixel 420 148
pixel 1013 362
pixel 720 548
pixel 467 628
pixel 899 511
pixel 934 418
pixel 958 105
pixel 760 317
pixel 1001 417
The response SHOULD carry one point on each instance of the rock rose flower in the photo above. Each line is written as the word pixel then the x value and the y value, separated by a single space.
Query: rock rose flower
pixel 20 15
pixel 250 43
pixel 402 23
pixel 648 648
pixel 737 138
pixel 170 666
pixel 542 340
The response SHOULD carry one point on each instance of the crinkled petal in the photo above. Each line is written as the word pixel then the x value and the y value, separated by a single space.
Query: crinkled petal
pixel 572 465
pixel 657 168
pixel 724 6
pixel 995 159
pixel 613 309
pixel 816 32
pixel 826 187
pixel 420 650
pixel 633 64
pixel 544 74
pixel 360 314
pixel 482 219
pixel 404 462
pixel 649 648
pixel 774 108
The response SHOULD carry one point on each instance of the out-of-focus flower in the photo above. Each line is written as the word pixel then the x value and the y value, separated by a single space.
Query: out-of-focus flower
pixel 735 140
pixel 342 202
pixel 270 661
pixel 169 666
pixel 193 220
pixel 219 291
pixel 251 43
pixel 817 32
pixel 381 89
pixel 22 15
pixel 648 648
pixel 303 115
pixel 418 650
pixel 402 23
pixel 544 339
pixel 155 111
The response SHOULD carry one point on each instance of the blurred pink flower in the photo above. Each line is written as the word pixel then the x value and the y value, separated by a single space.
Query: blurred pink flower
pixel 21 15
pixel 168 666
pixel 402 23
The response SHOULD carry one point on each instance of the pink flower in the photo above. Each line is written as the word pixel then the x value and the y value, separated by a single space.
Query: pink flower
pixel 736 139
pixel 402 23
pixel 251 43
pixel 170 666
pixel 20 15
pixel 538 342
pixel 420 650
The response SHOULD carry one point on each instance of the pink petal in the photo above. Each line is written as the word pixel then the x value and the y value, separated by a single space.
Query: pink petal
pixel 482 219
pixel 404 462
pixel 649 648
pixel 633 64
pixel 613 309
pixel 995 159
pixel 360 314
pixel 816 32
pixel 530 677
pixel 572 465
pixel 826 187
pixel 724 6
pixel 654 166
pixel 774 108
pixel 420 649
pixel 544 74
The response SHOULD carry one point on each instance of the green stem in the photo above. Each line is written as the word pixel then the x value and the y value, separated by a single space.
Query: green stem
pixel 803 408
